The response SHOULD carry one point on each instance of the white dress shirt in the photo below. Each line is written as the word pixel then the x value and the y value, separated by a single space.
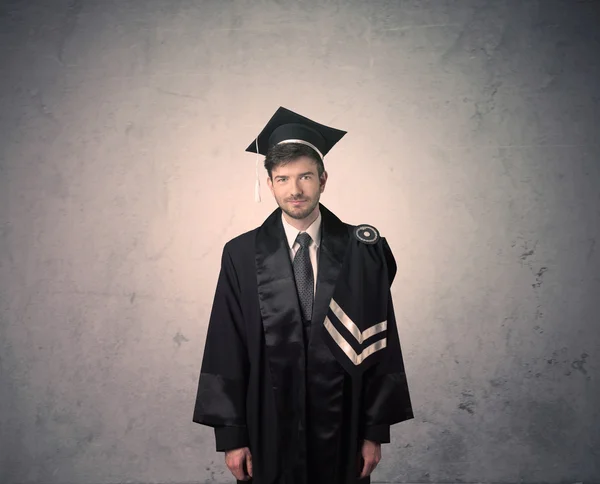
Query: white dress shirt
pixel 313 249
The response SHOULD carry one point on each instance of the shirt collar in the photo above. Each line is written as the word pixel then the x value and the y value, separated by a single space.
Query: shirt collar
pixel 314 230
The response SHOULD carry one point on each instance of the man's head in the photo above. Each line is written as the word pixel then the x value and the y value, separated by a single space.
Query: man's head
pixel 296 173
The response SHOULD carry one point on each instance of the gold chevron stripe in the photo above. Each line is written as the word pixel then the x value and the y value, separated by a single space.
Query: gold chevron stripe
pixel 351 326
pixel 355 358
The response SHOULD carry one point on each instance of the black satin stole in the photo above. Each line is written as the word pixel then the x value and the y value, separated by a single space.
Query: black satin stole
pixel 308 383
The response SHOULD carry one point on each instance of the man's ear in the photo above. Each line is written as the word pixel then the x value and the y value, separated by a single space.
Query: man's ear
pixel 322 181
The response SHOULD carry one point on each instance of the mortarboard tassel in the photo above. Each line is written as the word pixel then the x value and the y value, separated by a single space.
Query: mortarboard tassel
pixel 257 184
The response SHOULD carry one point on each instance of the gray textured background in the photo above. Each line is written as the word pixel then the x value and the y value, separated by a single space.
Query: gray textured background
pixel 473 147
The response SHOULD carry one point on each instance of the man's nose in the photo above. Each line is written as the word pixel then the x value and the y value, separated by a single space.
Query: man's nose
pixel 296 189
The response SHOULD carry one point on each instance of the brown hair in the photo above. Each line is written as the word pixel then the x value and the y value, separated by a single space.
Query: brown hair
pixel 281 155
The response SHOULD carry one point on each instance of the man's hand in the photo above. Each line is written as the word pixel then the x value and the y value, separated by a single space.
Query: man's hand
pixel 371 455
pixel 239 462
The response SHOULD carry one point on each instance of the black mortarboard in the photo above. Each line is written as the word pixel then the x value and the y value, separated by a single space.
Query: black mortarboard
pixel 290 127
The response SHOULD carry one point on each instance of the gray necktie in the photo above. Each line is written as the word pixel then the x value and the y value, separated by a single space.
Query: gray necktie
pixel 303 274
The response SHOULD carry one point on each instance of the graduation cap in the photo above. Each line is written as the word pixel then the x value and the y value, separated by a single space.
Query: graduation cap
pixel 286 126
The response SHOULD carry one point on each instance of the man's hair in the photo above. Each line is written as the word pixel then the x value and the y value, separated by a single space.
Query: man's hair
pixel 281 155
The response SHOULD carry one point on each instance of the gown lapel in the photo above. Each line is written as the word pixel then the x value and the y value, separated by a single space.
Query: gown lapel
pixel 278 299
pixel 284 340
pixel 334 240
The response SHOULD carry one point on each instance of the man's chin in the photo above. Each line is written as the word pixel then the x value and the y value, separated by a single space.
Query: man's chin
pixel 295 214
pixel 298 213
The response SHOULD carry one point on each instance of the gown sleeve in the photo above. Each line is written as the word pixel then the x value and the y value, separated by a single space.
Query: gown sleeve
pixel 386 396
pixel 221 396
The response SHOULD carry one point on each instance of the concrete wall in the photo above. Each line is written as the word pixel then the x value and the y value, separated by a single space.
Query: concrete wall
pixel 473 146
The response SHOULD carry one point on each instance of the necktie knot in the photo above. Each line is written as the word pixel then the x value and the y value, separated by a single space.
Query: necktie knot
pixel 304 239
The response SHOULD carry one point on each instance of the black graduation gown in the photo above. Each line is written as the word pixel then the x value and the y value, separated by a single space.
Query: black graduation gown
pixel 291 401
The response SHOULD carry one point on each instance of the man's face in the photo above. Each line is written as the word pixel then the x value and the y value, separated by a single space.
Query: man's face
pixel 297 187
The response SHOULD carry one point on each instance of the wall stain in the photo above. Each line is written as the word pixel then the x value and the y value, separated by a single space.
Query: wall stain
pixel 579 364
pixel 179 338
pixel 538 277
pixel 468 402
pixel 539 313
pixel 498 382
pixel 179 94
pixel 527 252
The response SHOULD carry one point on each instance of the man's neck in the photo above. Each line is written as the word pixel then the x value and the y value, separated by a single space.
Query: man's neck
pixel 302 224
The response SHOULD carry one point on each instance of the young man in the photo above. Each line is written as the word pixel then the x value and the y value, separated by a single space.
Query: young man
pixel 302 374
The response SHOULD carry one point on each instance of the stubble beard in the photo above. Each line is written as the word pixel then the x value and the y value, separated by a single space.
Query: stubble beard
pixel 301 214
